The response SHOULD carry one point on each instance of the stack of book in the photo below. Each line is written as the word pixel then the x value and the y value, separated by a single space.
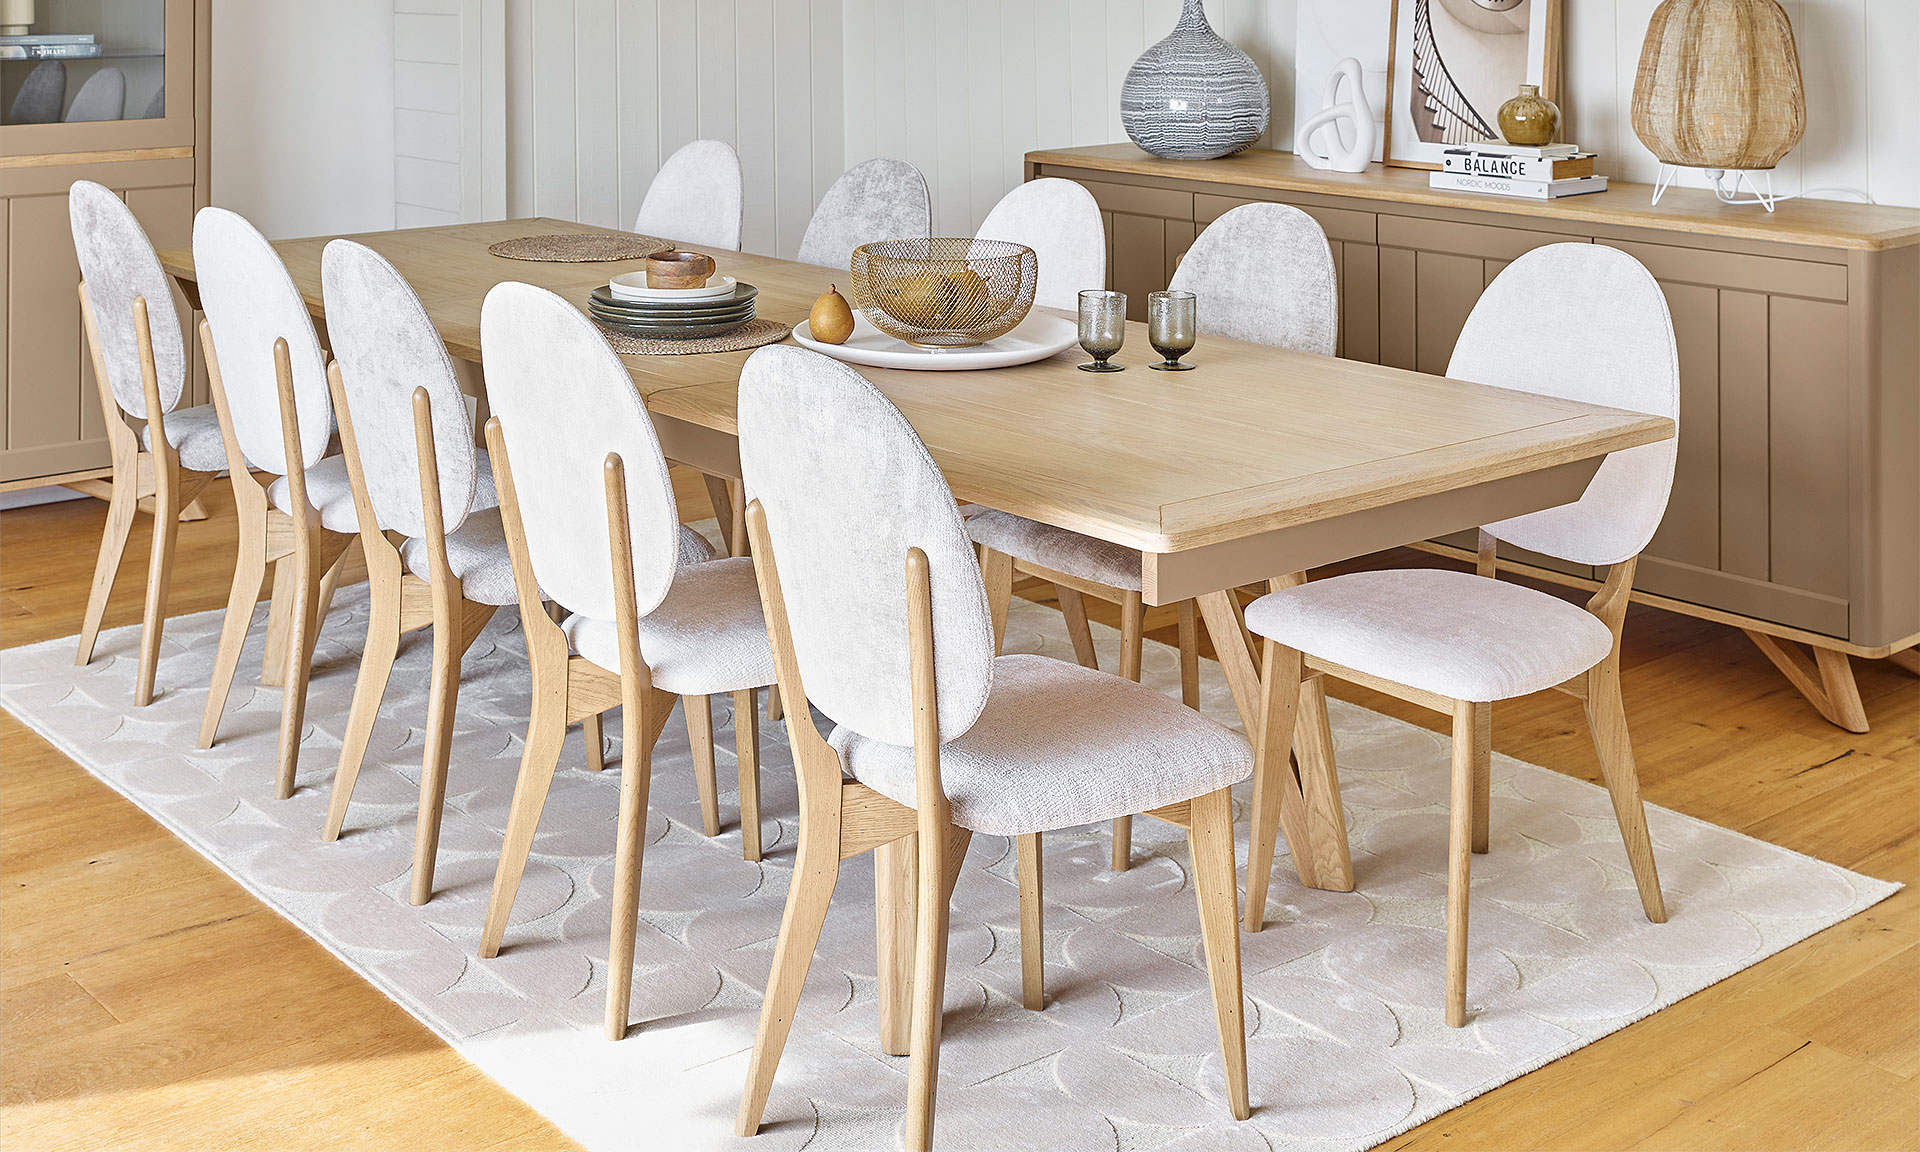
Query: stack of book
pixel 1544 172
pixel 50 46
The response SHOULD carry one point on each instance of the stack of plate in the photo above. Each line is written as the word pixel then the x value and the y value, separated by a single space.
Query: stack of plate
pixel 674 313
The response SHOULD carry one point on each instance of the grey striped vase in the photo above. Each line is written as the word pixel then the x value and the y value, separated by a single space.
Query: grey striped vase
pixel 1193 96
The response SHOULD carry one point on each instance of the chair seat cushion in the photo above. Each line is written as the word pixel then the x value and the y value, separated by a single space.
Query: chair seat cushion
pixel 477 554
pixel 1114 565
pixel 330 491
pixel 707 636
pixel 1059 745
pixel 195 436
pixel 1453 633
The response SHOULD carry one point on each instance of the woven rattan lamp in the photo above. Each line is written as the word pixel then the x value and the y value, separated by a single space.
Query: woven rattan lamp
pixel 1719 88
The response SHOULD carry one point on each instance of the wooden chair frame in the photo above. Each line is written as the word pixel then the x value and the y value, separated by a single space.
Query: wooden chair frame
pixel 918 854
pixel 568 689
pixel 307 558
pixel 1284 673
pixel 998 568
pixel 401 603
pixel 144 480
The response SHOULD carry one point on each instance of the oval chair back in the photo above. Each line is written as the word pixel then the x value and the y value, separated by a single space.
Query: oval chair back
pixel 848 488
pixel 387 347
pixel 696 197
pixel 874 200
pixel 250 301
pixel 1060 221
pixel 117 262
pixel 564 402
pixel 102 97
pixel 1583 322
pixel 1264 273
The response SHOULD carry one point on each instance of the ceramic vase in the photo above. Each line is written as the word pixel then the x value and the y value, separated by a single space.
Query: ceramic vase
pixel 1529 118
pixel 1193 96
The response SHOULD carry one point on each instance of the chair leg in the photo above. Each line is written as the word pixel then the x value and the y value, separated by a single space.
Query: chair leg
pixel 1189 655
pixel 996 571
pixel 1273 779
pixel 376 668
pixel 594 736
pixel 1033 941
pixel 896 869
pixel 249 573
pixel 700 736
pixel 1459 861
pixel 546 728
pixel 814 875
pixel 630 845
pixel 1482 775
pixel 443 695
pixel 746 751
pixel 166 534
pixel 302 634
pixel 1210 843
pixel 113 545
pixel 1074 608
pixel 330 582
pixel 1133 630
pixel 939 866
pixel 1607 718
pixel 273 661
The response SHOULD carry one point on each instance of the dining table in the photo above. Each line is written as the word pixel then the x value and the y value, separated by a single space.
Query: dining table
pixel 1258 465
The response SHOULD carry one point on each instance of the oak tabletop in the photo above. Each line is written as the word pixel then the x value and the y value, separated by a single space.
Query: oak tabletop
pixel 1256 439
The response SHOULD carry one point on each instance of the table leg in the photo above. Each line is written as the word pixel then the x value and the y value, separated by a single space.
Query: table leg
pixel 1324 863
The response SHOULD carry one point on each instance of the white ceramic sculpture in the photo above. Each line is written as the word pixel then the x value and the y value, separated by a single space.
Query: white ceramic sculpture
pixel 1347 123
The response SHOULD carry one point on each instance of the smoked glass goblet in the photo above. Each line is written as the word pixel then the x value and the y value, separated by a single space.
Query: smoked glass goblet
pixel 1170 328
pixel 1103 328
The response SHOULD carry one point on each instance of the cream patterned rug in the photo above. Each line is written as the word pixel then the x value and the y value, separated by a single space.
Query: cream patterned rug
pixel 1347 1046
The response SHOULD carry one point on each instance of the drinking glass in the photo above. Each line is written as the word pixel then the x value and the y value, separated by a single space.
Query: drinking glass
pixel 1103 328
pixel 1170 328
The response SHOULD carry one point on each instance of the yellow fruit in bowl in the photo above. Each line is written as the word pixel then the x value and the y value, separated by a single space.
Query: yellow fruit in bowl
pixel 831 320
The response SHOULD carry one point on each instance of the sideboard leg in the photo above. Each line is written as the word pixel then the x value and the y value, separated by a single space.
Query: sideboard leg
pixel 1826 681
pixel 1909 659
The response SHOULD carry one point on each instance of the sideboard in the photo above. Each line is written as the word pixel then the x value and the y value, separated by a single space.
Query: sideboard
pixel 1796 506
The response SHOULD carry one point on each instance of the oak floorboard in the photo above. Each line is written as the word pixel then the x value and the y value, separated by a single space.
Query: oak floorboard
pixel 222 1048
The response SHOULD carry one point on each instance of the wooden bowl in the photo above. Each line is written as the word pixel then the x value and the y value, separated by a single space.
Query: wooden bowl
pixel 679 270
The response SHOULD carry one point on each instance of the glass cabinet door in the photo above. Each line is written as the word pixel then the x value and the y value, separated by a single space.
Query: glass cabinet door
pixel 79 62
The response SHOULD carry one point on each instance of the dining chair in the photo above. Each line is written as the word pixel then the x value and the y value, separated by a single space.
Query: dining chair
pixel 591 524
pixel 140 366
pixel 102 97
pixel 880 621
pixel 1578 321
pixel 270 391
pixel 874 200
pixel 1060 221
pixel 1262 273
pixel 695 198
pixel 42 95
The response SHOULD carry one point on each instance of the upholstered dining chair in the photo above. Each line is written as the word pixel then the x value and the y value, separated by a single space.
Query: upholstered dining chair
pixel 1060 221
pixel 270 391
pixel 591 524
pixel 880 620
pixel 1262 273
pixel 696 197
pixel 1578 321
pixel 102 97
pixel 140 365
pixel 874 200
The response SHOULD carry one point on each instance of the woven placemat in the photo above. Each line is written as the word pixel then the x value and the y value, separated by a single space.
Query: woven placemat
pixel 752 334
pixel 580 247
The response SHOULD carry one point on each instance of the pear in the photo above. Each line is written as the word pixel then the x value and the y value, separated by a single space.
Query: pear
pixel 831 321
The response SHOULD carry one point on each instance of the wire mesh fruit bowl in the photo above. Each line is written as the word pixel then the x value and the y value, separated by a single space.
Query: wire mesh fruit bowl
pixel 944 292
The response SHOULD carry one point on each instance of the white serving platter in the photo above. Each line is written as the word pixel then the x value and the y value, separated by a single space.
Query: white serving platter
pixel 633 286
pixel 1040 335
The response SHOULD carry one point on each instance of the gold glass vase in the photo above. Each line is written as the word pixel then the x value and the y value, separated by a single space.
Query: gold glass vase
pixel 1529 118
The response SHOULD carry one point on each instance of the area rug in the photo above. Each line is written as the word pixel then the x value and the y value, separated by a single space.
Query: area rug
pixel 1347 1044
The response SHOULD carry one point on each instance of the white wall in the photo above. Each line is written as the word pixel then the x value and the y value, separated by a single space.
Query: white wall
pixel 597 92
pixel 303 114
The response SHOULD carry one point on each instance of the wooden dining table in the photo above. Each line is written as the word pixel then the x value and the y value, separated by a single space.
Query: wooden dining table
pixel 1257 465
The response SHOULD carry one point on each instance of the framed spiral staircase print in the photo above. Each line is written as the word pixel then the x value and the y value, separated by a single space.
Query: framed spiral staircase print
pixel 1454 62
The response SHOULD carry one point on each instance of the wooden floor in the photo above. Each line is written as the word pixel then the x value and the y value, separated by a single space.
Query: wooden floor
pixel 147 1001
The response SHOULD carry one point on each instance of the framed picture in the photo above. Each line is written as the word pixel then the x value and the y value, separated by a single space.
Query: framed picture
pixel 1329 31
pixel 1452 64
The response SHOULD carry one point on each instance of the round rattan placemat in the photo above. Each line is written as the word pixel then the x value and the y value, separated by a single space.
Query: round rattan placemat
pixel 580 247
pixel 752 334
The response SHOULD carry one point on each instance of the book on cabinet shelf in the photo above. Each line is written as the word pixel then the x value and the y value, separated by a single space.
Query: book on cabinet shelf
pixel 1525 189
pixel 1473 162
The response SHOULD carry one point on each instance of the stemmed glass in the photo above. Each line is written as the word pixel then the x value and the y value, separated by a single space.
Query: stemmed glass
pixel 1103 328
pixel 1170 328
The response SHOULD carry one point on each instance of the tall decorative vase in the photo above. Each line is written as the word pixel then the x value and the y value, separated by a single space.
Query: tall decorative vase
pixel 1193 96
